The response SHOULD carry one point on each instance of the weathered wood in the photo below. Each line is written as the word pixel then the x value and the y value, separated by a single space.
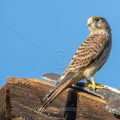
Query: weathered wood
pixel 110 95
pixel 21 99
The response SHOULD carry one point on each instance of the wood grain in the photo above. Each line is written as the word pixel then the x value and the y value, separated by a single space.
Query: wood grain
pixel 21 99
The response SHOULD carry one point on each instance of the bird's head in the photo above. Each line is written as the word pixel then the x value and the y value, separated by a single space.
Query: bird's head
pixel 97 23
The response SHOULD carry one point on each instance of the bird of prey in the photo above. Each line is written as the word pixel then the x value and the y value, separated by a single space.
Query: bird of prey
pixel 87 60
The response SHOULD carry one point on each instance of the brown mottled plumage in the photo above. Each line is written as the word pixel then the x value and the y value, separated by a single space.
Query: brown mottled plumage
pixel 88 59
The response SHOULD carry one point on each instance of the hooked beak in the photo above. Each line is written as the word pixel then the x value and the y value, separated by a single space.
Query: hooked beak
pixel 89 22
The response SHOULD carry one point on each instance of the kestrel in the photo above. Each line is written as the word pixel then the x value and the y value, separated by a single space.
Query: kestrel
pixel 87 60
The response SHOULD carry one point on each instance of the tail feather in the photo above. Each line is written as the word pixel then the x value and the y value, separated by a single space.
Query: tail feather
pixel 57 85
pixel 60 87
pixel 51 98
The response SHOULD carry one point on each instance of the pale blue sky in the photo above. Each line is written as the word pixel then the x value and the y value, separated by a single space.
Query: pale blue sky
pixel 41 36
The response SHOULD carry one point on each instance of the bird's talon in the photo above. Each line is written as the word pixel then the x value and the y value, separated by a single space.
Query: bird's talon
pixel 94 87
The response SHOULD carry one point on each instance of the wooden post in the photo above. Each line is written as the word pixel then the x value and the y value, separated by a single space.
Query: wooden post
pixel 21 99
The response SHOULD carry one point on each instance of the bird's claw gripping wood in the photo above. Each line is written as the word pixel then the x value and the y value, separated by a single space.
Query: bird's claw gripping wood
pixel 93 85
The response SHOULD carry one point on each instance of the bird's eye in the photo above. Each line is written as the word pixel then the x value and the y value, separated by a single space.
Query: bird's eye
pixel 97 19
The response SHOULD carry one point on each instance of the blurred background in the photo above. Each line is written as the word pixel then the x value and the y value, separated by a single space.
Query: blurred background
pixel 41 36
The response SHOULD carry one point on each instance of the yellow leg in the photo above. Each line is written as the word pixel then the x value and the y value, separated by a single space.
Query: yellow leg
pixel 88 81
pixel 94 85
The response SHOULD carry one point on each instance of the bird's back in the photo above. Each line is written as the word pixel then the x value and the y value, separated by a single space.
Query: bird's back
pixel 94 51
